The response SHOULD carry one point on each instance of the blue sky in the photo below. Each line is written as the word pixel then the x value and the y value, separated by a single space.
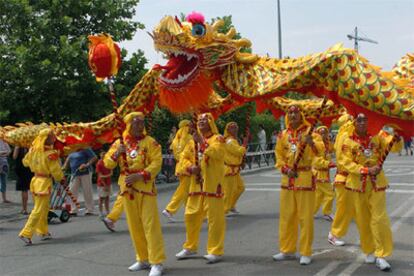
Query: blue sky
pixel 307 26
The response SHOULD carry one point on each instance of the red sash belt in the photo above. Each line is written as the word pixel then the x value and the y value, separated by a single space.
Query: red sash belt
pixel 292 181
pixel 293 188
pixel 146 178
pixel 140 192
pixel 364 178
pixel 207 194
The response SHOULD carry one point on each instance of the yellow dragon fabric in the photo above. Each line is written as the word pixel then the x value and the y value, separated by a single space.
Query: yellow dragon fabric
pixel 200 58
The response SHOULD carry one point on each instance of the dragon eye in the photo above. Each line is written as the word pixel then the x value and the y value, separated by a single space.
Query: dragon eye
pixel 198 30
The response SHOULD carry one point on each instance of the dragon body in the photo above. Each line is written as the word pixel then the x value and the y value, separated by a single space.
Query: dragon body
pixel 200 58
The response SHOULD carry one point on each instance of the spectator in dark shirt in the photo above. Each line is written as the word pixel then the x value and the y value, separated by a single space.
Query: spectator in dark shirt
pixel 24 176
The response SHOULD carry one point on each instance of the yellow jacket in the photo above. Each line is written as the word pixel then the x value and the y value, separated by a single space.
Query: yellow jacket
pixel 358 154
pixel 181 139
pixel 286 152
pixel 143 156
pixel 187 160
pixel 211 163
pixel 344 131
pixel 45 166
pixel 321 168
pixel 233 157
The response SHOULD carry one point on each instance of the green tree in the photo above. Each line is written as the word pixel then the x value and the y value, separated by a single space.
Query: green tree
pixel 44 75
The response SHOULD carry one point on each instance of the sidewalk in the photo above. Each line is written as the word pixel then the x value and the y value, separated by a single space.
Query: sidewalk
pixel 11 211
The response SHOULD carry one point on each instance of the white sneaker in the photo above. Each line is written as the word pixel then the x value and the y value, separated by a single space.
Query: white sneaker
pixel 27 241
pixel 369 259
pixel 184 254
pixel 334 240
pixel 382 264
pixel 212 259
pixel 283 256
pixel 139 266
pixel 168 215
pixel 156 270
pixel 305 260
pixel 46 237
pixel 234 211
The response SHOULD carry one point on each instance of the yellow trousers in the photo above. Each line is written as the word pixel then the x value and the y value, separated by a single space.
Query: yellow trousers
pixel 144 228
pixel 37 221
pixel 296 210
pixel 233 186
pixel 117 209
pixel 373 222
pixel 344 212
pixel 198 207
pixel 324 197
pixel 180 196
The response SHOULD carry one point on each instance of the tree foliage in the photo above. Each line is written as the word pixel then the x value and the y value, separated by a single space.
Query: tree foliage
pixel 44 75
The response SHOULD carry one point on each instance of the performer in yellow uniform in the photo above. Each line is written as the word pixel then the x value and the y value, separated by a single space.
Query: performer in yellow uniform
pixel 233 183
pixel 324 190
pixel 366 181
pixel 344 212
pixel 115 214
pixel 43 161
pixel 297 197
pixel 206 190
pixel 137 185
pixel 180 196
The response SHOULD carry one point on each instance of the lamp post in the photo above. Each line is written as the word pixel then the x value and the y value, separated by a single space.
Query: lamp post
pixel 279 25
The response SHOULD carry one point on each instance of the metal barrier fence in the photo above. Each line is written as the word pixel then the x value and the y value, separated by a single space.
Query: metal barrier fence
pixel 257 156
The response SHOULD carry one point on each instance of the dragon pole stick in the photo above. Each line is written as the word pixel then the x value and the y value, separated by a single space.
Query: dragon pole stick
pixel 72 197
pixel 119 124
pixel 150 123
pixel 247 127
pixel 388 149
pixel 310 130
pixel 196 148
pixel 246 134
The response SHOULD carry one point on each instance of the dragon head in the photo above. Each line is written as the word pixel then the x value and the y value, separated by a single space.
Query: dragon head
pixel 195 50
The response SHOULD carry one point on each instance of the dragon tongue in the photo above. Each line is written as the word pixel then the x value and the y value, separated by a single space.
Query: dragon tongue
pixel 173 65
pixel 177 65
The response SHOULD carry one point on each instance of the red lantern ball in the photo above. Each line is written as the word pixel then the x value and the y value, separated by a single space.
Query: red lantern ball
pixel 101 59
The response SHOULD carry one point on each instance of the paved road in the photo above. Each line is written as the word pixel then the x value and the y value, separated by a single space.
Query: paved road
pixel 84 247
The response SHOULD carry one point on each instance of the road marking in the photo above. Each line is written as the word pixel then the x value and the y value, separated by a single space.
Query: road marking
pixel 329 268
pixel 278 185
pixel 403 206
pixel 391 191
pixel 323 252
pixel 391 170
pixel 262 189
pixel 395 226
